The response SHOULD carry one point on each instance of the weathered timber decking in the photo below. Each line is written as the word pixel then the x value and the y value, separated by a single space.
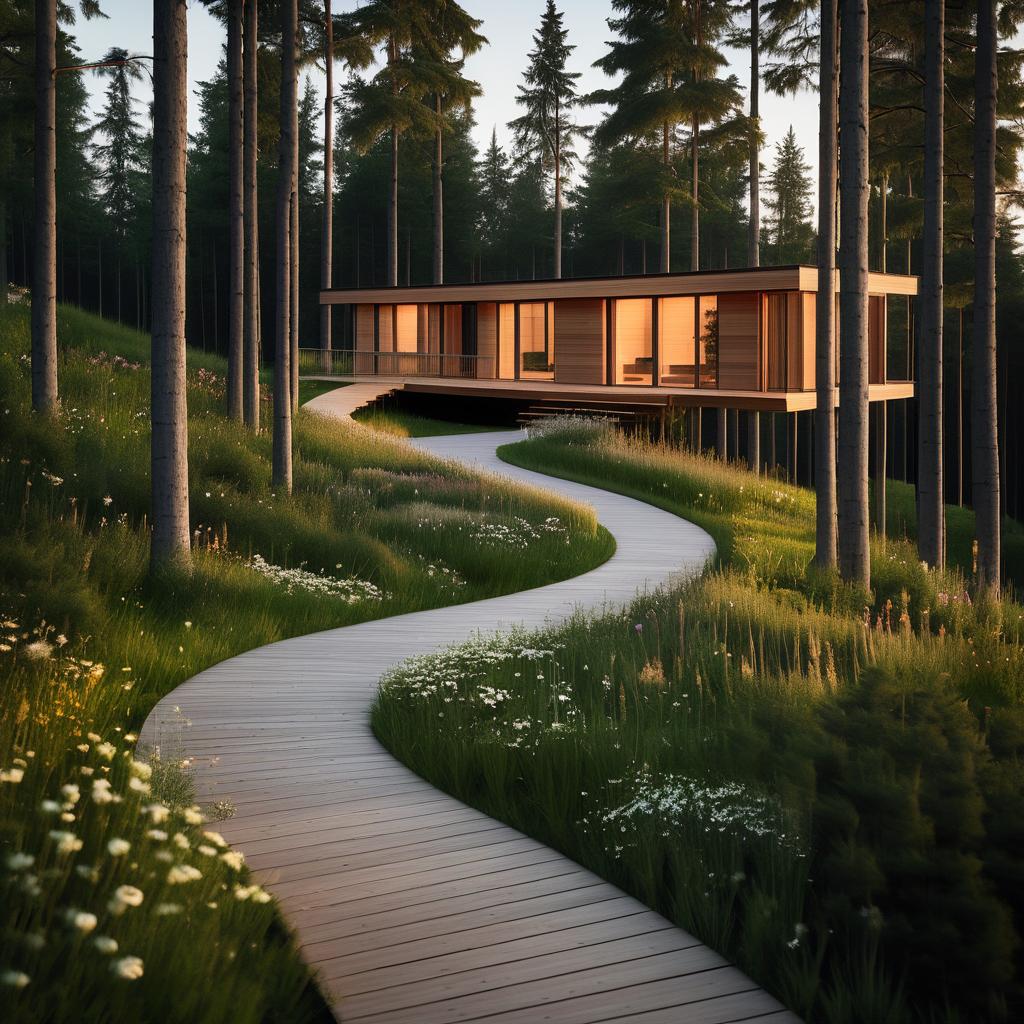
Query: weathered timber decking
pixel 412 907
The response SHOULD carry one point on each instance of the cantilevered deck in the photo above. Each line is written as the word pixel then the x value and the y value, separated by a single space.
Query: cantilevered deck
pixel 655 397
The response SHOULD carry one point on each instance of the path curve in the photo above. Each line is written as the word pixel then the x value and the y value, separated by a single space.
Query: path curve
pixel 411 907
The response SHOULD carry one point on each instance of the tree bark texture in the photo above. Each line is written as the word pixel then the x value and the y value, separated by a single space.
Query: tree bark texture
pixel 236 214
pixel 251 354
pixel 282 447
pixel 44 217
pixel 826 542
pixel 853 508
pixel 169 446
pixel 438 197
pixel 293 291
pixel 930 493
pixel 393 193
pixel 985 481
pixel 327 224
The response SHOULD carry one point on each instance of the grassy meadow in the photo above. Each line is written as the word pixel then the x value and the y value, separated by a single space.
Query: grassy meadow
pixel 825 785
pixel 118 898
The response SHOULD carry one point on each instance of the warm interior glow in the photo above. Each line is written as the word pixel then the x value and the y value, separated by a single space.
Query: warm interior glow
pixel 634 363
pixel 676 342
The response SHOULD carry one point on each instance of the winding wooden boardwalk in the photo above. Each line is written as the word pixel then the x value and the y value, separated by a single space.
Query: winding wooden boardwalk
pixel 413 908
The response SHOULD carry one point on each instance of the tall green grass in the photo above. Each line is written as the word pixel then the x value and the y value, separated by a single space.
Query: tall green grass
pixel 90 642
pixel 824 784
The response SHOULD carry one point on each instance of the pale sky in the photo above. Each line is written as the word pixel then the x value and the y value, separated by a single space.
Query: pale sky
pixel 498 67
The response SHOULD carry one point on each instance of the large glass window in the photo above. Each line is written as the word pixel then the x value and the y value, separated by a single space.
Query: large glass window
pixel 677 349
pixel 536 342
pixel 707 349
pixel 405 328
pixel 634 358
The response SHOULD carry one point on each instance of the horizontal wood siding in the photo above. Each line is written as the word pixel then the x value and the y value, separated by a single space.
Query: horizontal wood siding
pixel 486 338
pixel 433 328
pixel 452 330
pixel 422 327
pixel 507 341
pixel 794 343
pixel 738 362
pixel 579 333
pixel 808 304
pixel 364 328
pixel 386 329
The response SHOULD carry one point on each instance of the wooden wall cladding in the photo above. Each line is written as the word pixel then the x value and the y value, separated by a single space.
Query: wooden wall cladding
pixel 876 339
pixel 386 329
pixel 794 343
pixel 579 333
pixel 808 317
pixel 422 327
pixel 738 349
pixel 364 328
pixel 507 340
pixel 433 329
pixel 452 329
pixel 486 338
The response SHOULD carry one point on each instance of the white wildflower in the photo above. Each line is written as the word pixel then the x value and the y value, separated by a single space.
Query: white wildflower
pixel 118 847
pixel 128 967
pixel 67 842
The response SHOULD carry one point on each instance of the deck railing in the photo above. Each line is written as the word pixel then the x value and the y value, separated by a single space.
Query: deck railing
pixel 346 363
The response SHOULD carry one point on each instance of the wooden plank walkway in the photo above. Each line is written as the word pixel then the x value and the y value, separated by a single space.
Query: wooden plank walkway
pixel 410 906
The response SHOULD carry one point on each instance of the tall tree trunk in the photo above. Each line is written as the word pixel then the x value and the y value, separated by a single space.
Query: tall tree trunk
pixel 293 292
pixel 282 454
pixel 854 528
pixel 44 216
pixel 392 277
pixel 169 451
pixel 960 410
pixel 930 492
pixel 881 421
pixel 754 226
pixel 558 192
pixel 984 412
pixel 99 271
pixel 666 206
pixel 438 196
pixel 694 192
pixel 327 229
pixel 236 214
pixel 826 553
pixel 251 352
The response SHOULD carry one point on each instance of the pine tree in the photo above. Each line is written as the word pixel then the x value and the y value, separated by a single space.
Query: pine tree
pixel 391 103
pixel 546 130
pixel 788 225
pixel 119 153
pixel 493 175
pixel 668 55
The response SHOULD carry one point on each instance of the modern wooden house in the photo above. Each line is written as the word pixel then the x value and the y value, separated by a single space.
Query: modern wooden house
pixel 742 339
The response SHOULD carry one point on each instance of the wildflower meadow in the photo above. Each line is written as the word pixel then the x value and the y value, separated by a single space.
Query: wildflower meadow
pixel 825 785
pixel 119 899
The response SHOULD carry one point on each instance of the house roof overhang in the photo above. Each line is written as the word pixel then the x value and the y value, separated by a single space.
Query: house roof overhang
pixel 701 282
